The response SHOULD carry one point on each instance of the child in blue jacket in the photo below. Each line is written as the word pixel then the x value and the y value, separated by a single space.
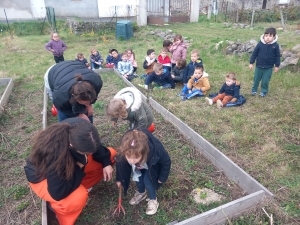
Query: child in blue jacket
pixel 189 70
pixel 161 77
pixel 266 54
pixel 96 59
pixel 144 157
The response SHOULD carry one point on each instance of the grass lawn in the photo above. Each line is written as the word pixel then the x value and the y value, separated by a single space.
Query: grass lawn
pixel 261 136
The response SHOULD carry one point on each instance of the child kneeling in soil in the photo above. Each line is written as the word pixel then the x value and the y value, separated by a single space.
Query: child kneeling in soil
pixel 229 92
pixel 143 156
pixel 129 105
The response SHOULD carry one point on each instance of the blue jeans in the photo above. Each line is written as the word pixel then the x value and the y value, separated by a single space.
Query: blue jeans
pixel 62 116
pixel 194 93
pixel 145 183
pixel 165 86
pixel 94 65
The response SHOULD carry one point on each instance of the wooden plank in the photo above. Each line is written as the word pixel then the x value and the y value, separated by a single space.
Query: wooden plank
pixel 44 213
pixel 44 119
pixel 104 70
pixel 129 83
pixel 221 161
pixel 9 86
pixel 230 210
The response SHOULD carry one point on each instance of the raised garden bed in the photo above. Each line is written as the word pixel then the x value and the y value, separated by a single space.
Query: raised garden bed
pixel 190 170
pixel 6 86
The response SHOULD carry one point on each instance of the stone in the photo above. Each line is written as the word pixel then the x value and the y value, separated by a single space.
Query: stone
pixel 297 32
pixel 294 61
pixel 229 50
pixel 158 31
pixel 286 54
pixel 230 43
pixel 296 48
pixel 234 46
pixel 253 42
pixel 152 32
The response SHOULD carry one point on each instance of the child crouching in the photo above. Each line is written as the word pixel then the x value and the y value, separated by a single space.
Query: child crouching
pixel 128 104
pixel 143 156
pixel 229 92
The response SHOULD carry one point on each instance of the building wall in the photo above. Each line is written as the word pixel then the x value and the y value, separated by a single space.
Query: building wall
pixel 15 9
pixel 74 8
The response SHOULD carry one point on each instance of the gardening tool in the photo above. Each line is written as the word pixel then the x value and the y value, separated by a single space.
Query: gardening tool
pixel 119 207
pixel 54 111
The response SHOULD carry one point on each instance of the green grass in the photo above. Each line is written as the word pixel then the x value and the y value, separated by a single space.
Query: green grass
pixel 261 136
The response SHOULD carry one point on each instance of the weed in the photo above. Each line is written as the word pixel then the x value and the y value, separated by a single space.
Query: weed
pixel 22 206
pixel 16 192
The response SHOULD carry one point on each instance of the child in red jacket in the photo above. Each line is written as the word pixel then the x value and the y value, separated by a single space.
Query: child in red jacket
pixel 164 59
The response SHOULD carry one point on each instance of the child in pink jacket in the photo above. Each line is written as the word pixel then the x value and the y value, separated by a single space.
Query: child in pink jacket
pixel 178 49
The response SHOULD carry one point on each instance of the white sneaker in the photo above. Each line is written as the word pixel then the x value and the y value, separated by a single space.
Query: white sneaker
pixel 152 207
pixel 219 104
pixel 137 198
pixel 208 101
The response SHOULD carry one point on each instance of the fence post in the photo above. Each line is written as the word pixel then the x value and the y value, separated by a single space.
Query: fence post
pixel 226 11
pixel 237 15
pixel 253 11
pixel 209 11
pixel 282 19
pixel 7 22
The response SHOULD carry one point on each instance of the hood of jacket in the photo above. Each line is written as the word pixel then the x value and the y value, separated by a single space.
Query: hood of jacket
pixel 131 96
pixel 263 41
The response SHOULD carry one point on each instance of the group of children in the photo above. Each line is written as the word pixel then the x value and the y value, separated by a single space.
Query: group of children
pixel 165 72
pixel 140 154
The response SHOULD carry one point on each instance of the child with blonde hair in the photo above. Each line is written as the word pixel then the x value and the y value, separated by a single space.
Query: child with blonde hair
pixel 128 104
pixel 178 49
pixel 197 86
pixel 80 58
pixel 57 47
pixel 229 92
pixel 131 58
pixel 144 157
pixel 96 59
pixel 125 67
pixel 195 61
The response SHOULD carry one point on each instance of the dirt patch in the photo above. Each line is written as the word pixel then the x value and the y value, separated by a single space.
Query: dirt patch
pixel 190 170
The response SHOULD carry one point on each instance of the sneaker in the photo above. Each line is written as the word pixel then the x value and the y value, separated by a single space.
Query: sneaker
pixel 253 93
pixel 137 198
pixel 208 101
pixel 157 88
pixel 141 85
pixel 180 94
pixel 152 207
pixel 263 94
pixel 143 76
pixel 219 104
pixel 135 75
pixel 183 98
pixel 93 68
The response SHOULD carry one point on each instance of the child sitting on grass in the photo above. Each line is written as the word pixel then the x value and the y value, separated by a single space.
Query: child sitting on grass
pixel 229 92
pixel 109 60
pixel 197 86
pixel 125 67
pixel 178 71
pixel 80 58
pixel 195 61
pixel 128 104
pixel 144 157
pixel 116 57
pixel 96 59
pixel 131 58
pixel 149 63
pixel 162 78
pixel 164 59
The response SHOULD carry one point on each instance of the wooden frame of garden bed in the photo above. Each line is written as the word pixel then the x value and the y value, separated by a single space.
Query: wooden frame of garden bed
pixel 256 191
pixel 8 82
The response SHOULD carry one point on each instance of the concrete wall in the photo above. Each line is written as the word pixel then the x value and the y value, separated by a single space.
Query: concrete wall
pixel 74 8
pixel 122 8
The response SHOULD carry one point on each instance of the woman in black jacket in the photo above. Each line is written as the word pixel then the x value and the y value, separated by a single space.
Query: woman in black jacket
pixel 73 89
pixel 66 160
pixel 143 156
